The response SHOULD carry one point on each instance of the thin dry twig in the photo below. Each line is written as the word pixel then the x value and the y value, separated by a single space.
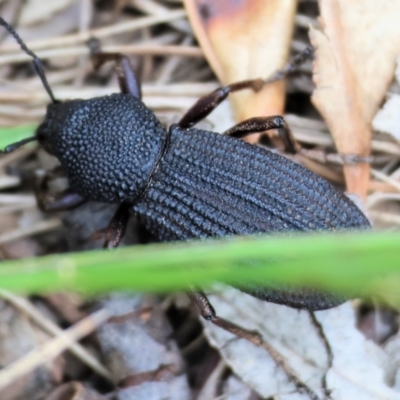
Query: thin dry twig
pixel 17 155
pixel 12 199
pixel 9 181
pixel 52 348
pixel 100 33
pixel 34 229
pixel 160 50
pixel 385 178
pixel 50 327
pixel 390 218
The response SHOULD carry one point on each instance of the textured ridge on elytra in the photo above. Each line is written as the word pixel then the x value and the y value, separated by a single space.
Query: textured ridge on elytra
pixel 208 185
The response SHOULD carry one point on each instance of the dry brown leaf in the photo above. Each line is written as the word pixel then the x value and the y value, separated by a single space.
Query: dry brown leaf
pixel 355 62
pixel 246 39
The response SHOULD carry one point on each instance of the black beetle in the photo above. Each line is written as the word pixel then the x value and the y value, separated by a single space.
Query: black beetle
pixel 185 183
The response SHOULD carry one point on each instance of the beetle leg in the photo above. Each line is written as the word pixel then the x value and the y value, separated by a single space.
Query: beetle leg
pixel 262 124
pixel 127 79
pixel 64 201
pixel 209 102
pixel 115 229
pixel 206 104
pixel 207 312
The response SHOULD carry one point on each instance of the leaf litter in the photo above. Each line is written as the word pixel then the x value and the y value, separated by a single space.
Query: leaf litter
pixel 349 367
pixel 348 62
pixel 158 37
pixel 230 28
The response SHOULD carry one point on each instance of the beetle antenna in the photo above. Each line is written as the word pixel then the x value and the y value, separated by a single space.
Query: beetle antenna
pixel 14 146
pixel 37 63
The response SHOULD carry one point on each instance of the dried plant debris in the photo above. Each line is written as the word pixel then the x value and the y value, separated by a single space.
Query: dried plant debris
pixel 348 63
pixel 137 354
pixel 230 34
pixel 392 372
pixel 388 118
pixel 138 350
pixel 141 359
pixel 18 336
pixel 74 391
pixel 325 350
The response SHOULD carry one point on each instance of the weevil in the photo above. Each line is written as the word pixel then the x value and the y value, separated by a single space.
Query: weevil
pixel 184 183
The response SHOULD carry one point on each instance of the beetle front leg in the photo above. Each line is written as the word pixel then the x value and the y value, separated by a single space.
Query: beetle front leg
pixel 206 104
pixel 127 79
pixel 207 312
pixel 63 201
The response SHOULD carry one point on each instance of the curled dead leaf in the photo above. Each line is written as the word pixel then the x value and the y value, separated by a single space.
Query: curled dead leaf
pixel 352 73
pixel 243 40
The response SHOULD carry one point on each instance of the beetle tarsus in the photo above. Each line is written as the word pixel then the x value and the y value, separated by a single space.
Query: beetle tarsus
pixel 263 124
pixel 292 66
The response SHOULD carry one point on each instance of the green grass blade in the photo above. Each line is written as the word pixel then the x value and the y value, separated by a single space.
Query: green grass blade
pixel 360 264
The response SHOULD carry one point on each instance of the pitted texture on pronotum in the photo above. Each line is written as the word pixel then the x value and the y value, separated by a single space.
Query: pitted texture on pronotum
pixel 108 146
